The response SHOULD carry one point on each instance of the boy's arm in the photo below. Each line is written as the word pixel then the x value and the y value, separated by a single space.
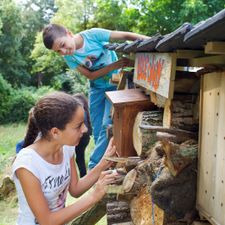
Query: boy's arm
pixel 91 75
pixel 122 35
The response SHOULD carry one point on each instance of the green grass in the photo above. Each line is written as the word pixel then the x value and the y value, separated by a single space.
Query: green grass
pixel 9 136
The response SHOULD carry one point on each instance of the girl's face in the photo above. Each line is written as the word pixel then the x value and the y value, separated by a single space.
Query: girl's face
pixel 74 130
pixel 65 45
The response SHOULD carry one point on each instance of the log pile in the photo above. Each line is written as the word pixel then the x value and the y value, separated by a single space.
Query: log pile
pixel 160 186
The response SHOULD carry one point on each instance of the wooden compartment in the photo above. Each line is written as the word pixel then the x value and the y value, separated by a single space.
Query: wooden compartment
pixel 127 103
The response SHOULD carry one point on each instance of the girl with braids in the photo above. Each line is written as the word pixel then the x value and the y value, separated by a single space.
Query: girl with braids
pixel 44 170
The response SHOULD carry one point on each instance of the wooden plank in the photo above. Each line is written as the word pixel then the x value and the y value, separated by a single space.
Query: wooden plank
pixel 126 223
pixel 155 72
pixel 200 223
pixel 215 48
pixel 158 100
pixel 167 115
pixel 122 82
pixel 211 177
pixel 209 60
pixel 115 78
pixel 188 54
pixel 127 97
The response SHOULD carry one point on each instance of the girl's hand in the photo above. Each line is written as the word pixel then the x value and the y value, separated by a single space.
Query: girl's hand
pixel 106 178
pixel 110 152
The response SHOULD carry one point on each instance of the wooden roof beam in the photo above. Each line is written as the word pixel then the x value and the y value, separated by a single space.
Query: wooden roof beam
pixel 215 48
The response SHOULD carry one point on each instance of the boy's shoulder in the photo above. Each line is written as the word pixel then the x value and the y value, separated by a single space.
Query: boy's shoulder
pixel 96 34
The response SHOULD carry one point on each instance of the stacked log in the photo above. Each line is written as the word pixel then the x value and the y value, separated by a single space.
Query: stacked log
pixel 182 112
pixel 143 140
pixel 164 176
pixel 118 212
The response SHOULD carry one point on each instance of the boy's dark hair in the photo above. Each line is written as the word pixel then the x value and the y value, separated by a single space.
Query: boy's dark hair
pixel 53 110
pixel 51 32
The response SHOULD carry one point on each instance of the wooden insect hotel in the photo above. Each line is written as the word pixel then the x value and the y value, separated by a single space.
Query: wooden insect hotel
pixel 169 129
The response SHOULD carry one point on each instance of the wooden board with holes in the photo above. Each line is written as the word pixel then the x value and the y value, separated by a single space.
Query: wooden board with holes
pixel 156 72
pixel 211 177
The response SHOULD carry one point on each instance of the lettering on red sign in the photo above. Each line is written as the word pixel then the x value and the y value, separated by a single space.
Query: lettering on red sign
pixel 149 69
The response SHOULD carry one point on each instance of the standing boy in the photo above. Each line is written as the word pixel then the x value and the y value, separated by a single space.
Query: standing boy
pixel 85 52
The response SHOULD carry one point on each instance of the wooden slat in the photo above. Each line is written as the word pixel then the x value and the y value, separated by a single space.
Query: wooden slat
pixel 210 60
pixel 188 54
pixel 215 48
pixel 200 223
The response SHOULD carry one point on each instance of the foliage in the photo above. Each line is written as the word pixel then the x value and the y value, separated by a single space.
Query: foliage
pixel 12 63
pixel 22 101
pixel 46 62
pixel 35 14
pixel 164 16
pixel 81 84
pixel 5 96
pixel 24 61
pixel 15 104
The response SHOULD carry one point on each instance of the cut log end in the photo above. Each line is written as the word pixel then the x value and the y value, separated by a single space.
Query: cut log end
pixel 129 180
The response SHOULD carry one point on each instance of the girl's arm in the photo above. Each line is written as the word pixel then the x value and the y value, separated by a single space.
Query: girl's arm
pixel 79 186
pixel 92 75
pixel 39 206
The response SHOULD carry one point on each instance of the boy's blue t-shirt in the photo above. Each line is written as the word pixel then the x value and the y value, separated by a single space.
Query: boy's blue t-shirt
pixel 94 56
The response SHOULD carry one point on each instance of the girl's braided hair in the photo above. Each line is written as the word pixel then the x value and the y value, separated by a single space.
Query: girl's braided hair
pixel 53 110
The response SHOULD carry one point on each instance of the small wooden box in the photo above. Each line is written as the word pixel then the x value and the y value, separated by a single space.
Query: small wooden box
pixel 127 103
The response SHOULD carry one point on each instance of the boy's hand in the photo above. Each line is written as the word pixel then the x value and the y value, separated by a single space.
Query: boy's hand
pixel 124 62
pixel 127 62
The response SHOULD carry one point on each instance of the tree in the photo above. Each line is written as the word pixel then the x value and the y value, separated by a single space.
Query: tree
pixel 35 15
pixel 12 63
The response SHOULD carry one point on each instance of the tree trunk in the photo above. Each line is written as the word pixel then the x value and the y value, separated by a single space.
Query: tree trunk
pixel 176 195
pixel 144 211
pixel 177 157
pixel 143 139
pixel 93 215
pixel 145 136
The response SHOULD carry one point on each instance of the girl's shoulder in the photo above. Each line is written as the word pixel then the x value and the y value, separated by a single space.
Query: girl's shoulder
pixel 68 151
pixel 25 159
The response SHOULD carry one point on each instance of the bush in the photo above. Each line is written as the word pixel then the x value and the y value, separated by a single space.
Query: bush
pixel 20 102
pixel 71 82
pixel 5 96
